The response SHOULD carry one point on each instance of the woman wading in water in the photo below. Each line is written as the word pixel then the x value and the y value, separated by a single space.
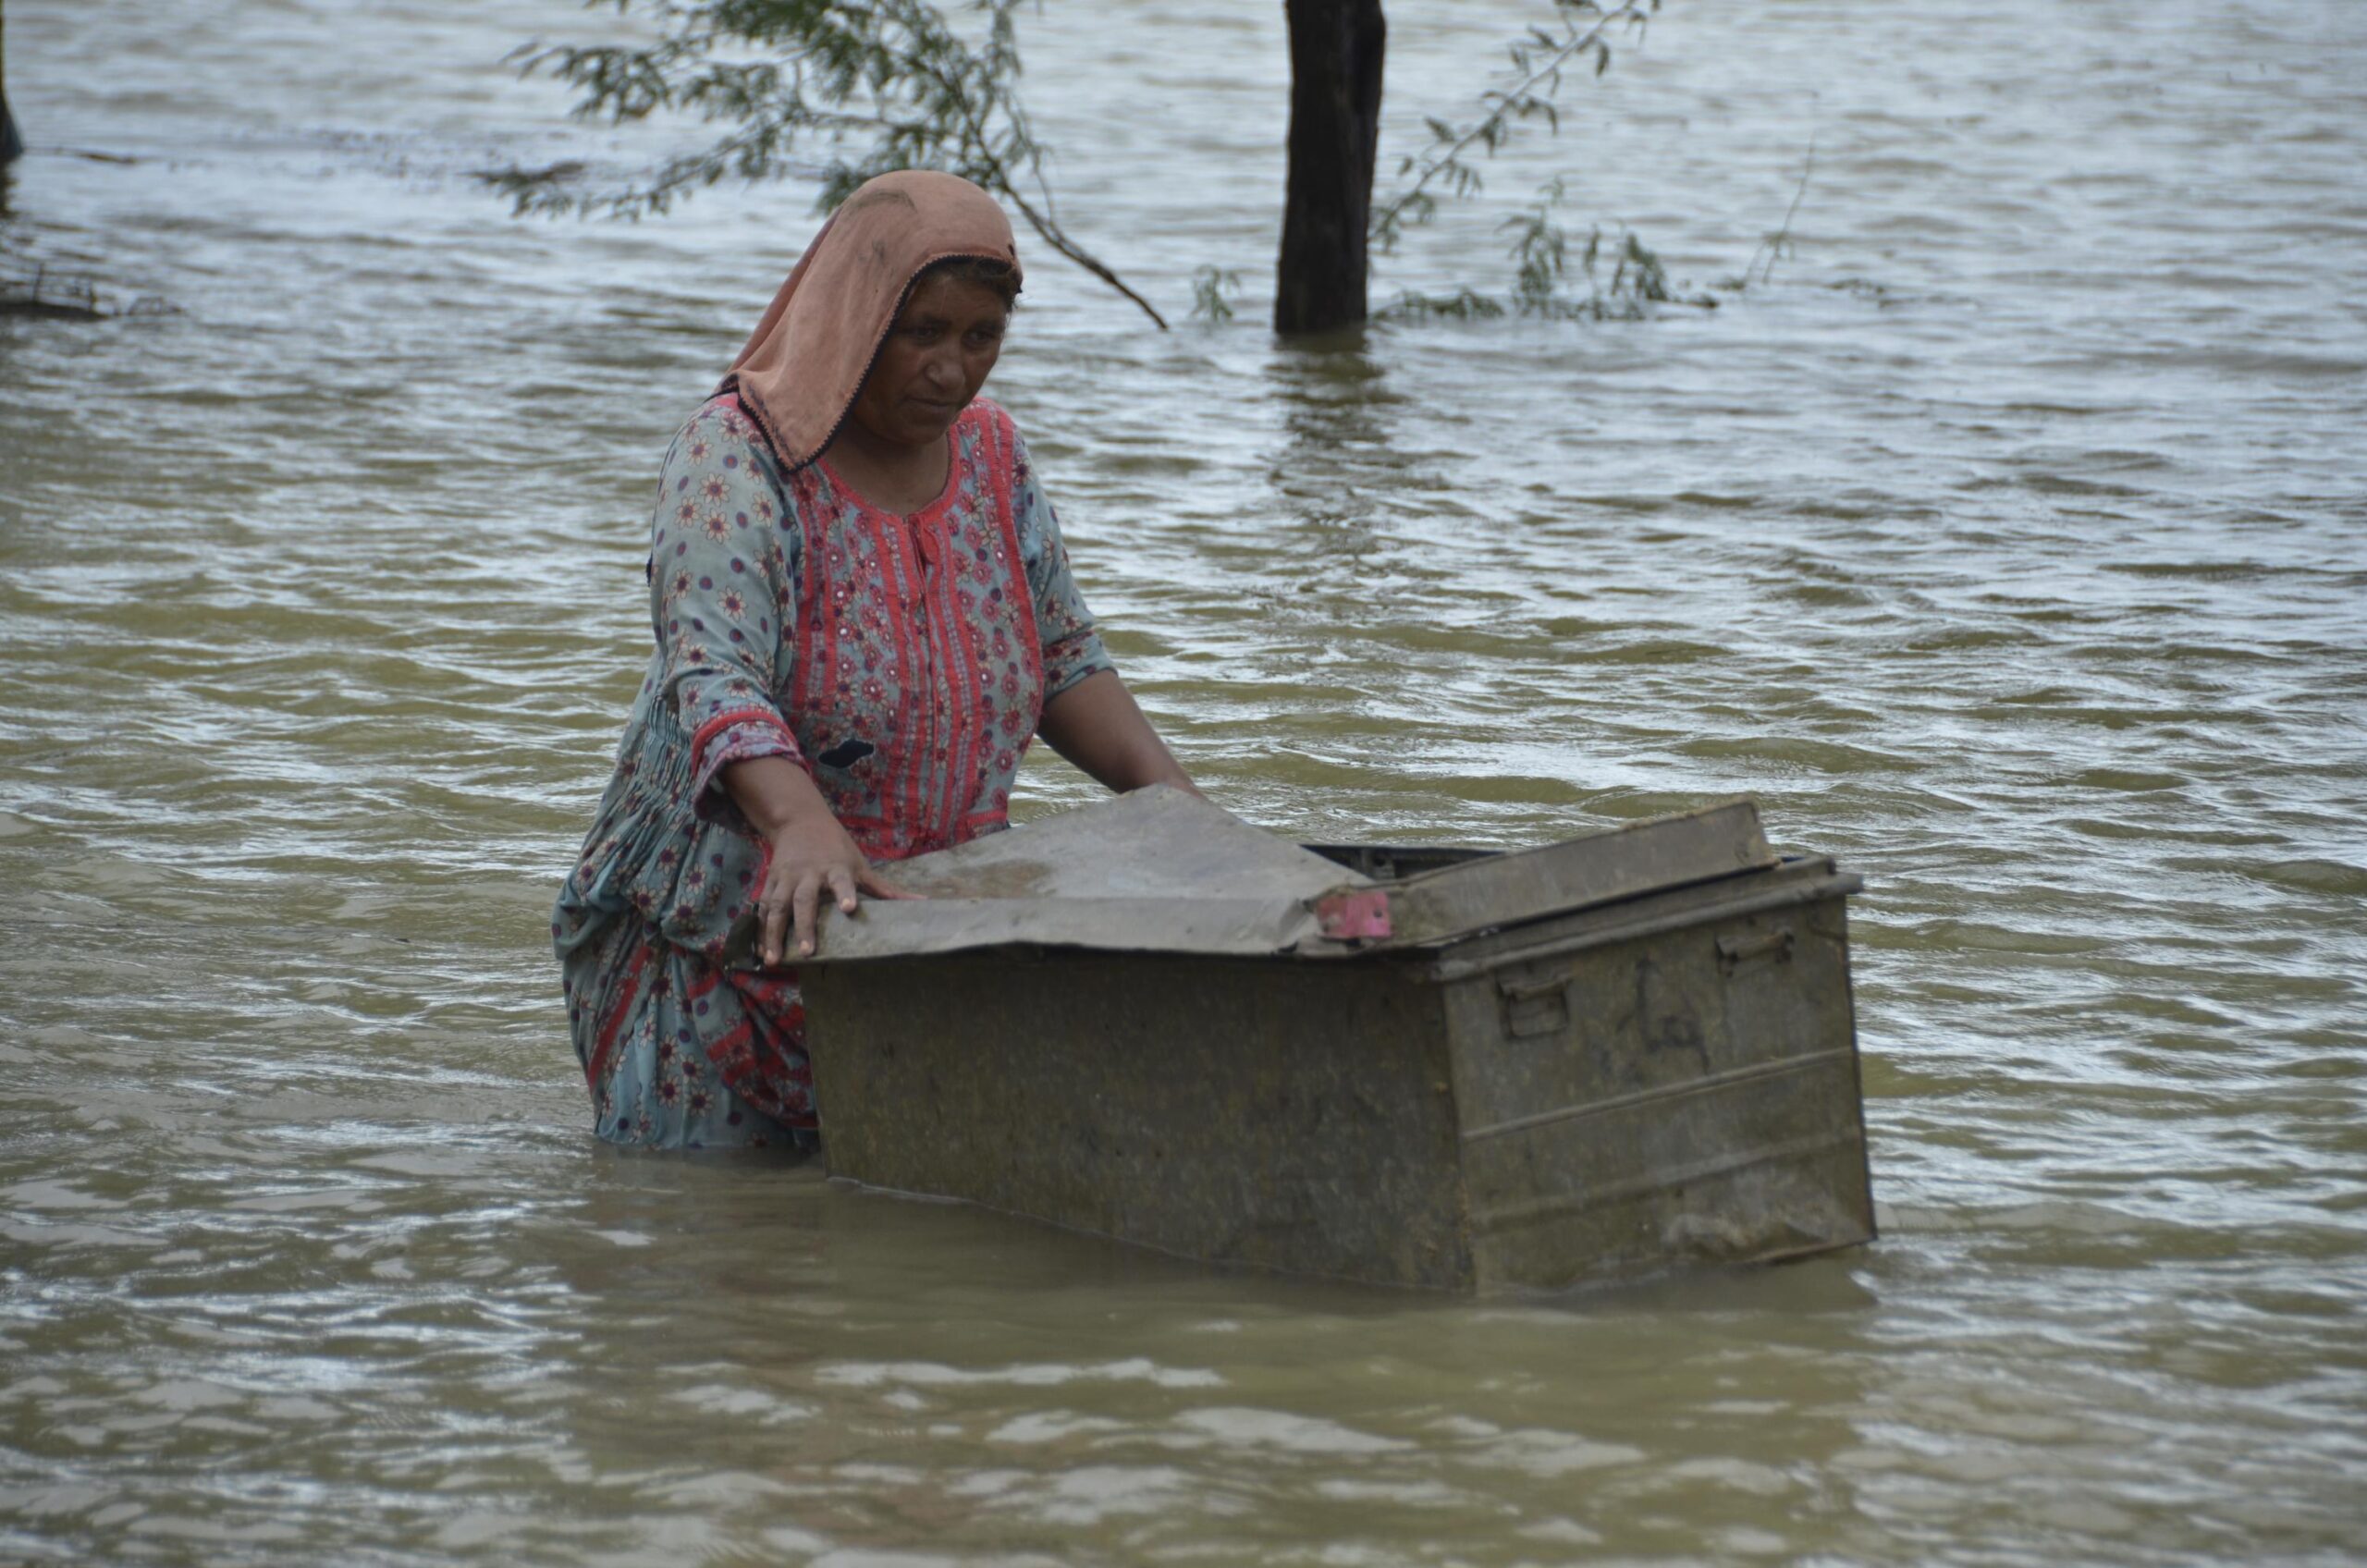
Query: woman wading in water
pixel 863 614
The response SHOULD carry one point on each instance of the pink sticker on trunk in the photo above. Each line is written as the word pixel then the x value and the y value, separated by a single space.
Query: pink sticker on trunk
pixel 1359 915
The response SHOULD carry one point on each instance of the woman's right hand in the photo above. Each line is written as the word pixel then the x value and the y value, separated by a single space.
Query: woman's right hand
pixel 811 857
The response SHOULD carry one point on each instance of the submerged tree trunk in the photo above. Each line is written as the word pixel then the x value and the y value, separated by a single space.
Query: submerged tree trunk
pixel 1335 131
pixel 12 146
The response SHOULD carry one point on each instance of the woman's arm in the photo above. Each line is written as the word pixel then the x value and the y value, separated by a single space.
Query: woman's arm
pixel 1089 717
pixel 722 569
pixel 812 855
pixel 1097 725
pixel 723 583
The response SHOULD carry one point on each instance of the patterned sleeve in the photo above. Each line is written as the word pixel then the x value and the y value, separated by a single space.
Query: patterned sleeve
pixel 722 580
pixel 1071 647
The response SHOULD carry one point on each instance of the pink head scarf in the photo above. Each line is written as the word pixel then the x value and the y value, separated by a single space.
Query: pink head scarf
pixel 806 359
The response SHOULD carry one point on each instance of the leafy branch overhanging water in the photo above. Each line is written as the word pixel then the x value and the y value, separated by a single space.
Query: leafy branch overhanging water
pixel 889 84
pixel 875 85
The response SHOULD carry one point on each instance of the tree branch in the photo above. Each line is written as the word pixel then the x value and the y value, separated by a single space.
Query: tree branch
pixel 1519 100
pixel 934 103
pixel 1052 232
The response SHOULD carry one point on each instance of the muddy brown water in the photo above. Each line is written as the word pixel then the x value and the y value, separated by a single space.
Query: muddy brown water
pixel 2008 546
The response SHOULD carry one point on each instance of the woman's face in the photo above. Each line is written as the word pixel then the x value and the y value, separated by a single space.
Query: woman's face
pixel 945 340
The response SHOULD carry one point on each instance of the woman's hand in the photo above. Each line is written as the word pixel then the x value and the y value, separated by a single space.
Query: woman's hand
pixel 813 858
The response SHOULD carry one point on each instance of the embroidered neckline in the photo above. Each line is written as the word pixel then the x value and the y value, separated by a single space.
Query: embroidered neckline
pixel 930 513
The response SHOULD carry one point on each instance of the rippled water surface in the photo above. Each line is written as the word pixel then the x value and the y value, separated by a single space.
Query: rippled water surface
pixel 2008 546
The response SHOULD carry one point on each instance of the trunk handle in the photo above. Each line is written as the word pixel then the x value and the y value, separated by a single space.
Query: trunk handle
pixel 1733 951
pixel 1529 1008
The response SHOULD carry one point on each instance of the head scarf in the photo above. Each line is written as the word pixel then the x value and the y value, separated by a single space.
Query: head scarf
pixel 805 361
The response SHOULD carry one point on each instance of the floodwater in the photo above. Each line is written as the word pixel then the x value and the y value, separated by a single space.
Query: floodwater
pixel 2007 544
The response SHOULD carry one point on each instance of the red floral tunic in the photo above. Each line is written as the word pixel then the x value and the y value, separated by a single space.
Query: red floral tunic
pixel 903 660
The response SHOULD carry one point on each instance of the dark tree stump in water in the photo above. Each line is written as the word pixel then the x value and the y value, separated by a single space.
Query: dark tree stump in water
pixel 1336 49
pixel 12 146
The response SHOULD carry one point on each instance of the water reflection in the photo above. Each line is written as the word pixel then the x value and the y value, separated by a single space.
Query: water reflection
pixel 1002 1379
pixel 1335 403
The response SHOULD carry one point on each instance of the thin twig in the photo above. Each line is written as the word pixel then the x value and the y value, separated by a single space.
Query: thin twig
pixel 1780 242
pixel 1050 231
pixel 1452 155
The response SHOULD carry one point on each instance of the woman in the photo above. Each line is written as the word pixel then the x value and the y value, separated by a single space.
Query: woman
pixel 863 614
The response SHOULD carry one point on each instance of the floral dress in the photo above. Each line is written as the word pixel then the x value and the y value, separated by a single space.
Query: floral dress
pixel 903 660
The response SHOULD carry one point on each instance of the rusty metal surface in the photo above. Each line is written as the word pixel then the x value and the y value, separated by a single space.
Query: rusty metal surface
pixel 1163 871
pixel 1154 842
pixel 1257 1111
pixel 1508 889
pixel 899 929
pixel 1653 1072
pixel 1159 870
pixel 1677 1083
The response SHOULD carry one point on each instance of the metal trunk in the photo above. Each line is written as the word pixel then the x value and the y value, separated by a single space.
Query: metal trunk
pixel 1422 1067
